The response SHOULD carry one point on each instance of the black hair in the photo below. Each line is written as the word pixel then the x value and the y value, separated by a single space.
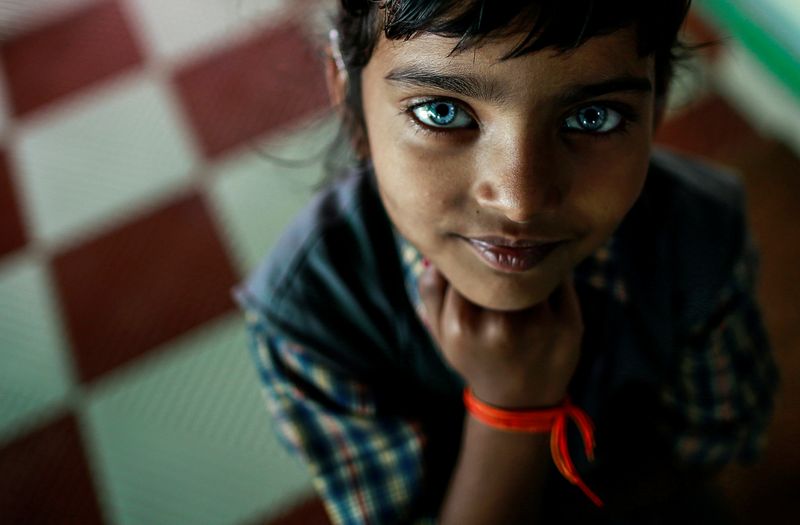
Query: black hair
pixel 560 25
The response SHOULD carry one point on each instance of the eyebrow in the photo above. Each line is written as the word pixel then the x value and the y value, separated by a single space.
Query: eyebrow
pixel 483 89
pixel 466 85
pixel 623 84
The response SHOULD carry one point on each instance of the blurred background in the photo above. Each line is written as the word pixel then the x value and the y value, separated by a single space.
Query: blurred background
pixel 136 188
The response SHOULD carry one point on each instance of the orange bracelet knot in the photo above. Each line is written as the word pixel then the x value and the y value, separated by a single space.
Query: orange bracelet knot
pixel 553 420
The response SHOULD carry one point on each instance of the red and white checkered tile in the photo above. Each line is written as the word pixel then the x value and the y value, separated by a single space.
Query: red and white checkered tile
pixel 138 183
pixel 275 179
pixel 174 29
pixel 36 377
pixel 132 140
pixel 97 159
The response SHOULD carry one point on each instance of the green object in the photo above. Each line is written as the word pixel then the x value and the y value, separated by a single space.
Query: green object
pixel 748 23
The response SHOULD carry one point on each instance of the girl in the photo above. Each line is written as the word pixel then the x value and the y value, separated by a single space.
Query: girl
pixel 511 256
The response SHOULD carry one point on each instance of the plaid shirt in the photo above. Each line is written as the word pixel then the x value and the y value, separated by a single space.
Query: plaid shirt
pixel 368 465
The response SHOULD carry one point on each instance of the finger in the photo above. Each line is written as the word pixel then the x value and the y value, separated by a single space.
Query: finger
pixel 432 287
pixel 460 317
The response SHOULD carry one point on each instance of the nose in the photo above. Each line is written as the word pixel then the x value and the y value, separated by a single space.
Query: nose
pixel 520 181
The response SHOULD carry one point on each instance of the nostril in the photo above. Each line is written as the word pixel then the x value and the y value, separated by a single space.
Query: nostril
pixel 518 202
pixel 485 192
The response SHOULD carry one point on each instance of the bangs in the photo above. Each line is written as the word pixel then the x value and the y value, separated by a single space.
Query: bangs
pixel 558 24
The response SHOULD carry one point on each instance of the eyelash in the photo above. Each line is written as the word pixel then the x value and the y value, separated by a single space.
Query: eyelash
pixel 408 111
pixel 628 116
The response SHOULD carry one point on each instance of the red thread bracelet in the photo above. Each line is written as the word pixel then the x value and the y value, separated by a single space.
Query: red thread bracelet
pixel 553 420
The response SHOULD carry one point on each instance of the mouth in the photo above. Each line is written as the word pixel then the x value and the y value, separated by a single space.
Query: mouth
pixel 512 255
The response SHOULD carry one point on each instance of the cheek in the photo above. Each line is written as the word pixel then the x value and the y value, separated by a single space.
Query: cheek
pixel 608 195
pixel 413 190
pixel 417 186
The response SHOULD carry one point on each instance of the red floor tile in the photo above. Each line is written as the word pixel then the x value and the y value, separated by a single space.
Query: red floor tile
pixel 711 128
pixel 62 57
pixel 141 285
pixel 307 512
pixel 46 480
pixel 12 230
pixel 242 92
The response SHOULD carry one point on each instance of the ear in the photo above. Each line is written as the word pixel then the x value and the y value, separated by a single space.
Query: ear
pixel 336 77
pixel 335 72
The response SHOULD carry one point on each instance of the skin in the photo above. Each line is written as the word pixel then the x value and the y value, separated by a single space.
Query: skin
pixel 517 172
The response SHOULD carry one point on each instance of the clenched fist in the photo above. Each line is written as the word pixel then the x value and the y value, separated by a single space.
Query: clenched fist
pixel 517 359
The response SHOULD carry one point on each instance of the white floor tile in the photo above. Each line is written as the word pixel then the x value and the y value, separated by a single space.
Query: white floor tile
pixel 101 158
pixel 257 197
pixel 35 374
pixel 184 436
pixel 177 27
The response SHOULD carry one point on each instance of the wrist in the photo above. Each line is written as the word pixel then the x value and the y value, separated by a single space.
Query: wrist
pixel 515 398
pixel 552 420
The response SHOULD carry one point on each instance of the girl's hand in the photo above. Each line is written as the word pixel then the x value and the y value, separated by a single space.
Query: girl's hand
pixel 524 358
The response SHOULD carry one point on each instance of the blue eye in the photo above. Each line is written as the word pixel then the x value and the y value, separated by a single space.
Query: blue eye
pixel 442 114
pixel 594 119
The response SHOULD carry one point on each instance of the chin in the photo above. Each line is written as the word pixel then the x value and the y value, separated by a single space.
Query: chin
pixel 507 296
pixel 506 291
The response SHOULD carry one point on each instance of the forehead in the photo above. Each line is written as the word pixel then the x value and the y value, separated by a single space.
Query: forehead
pixel 600 58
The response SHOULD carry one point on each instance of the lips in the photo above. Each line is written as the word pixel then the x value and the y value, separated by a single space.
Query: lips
pixel 511 255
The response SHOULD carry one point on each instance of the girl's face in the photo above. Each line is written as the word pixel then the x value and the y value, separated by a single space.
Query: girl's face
pixel 506 174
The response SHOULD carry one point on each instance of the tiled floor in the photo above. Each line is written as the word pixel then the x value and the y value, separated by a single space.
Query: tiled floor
pixel 133 195
pixel 137 185
pixel 12 230
pixel 70 53
pixel 275 80
pixel 170 263
pixel 67 490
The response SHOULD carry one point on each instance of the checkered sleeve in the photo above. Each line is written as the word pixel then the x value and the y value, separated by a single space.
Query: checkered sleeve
pixel 726 378
pixel 366 466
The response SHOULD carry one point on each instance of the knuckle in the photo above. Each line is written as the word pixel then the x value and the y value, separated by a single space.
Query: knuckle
pixel 496 329
pixel 455 330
